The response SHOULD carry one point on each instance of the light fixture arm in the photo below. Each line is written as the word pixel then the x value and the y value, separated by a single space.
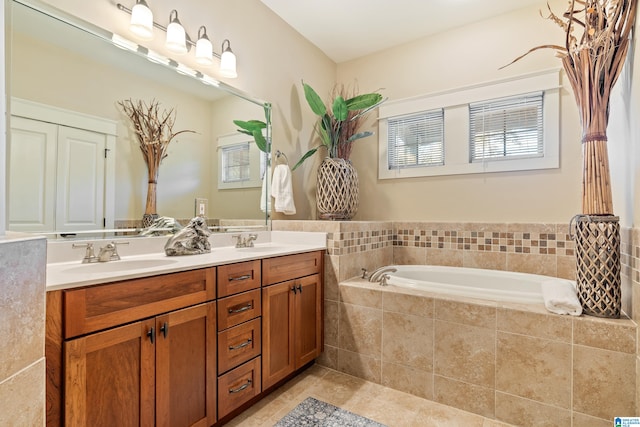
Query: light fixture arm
pixel 190 43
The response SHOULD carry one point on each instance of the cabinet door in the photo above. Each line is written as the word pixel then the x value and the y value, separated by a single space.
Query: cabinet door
pixel 109 378
pixel 308 319
pixel 186 367
pixel 277 333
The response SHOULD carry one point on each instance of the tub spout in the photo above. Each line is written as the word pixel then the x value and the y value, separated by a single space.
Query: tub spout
pixel 379 273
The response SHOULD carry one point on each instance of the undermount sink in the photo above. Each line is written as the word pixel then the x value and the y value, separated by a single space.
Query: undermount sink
pixel 122 265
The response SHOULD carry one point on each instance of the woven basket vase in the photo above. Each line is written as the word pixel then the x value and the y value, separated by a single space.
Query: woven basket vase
pixel 337 194
pixel 598 265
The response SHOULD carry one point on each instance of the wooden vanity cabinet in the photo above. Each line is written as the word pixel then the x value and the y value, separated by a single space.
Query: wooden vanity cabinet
pixel 152 364
pixel 292 307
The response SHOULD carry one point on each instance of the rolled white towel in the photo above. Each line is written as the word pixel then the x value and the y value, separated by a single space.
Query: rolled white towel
pixel 560 297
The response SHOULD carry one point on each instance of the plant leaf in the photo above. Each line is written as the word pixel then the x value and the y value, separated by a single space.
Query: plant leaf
pixel 359 135
pixel 363 101
pixel 305 157
pixel 261 141
pixel 340 110
pixel 314 100
pixel 250 125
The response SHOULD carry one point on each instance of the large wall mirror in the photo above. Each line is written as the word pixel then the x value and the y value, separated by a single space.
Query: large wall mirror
pixel 60 67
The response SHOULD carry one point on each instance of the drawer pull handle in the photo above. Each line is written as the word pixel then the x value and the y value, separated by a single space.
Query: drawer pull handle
pixel 239 346
pixel 241 309
pixel 244 277
pixel 242 387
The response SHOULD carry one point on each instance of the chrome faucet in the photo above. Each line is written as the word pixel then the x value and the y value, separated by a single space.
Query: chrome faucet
pixel 110 252
pixel 379 275
pixel 89 255
pixel 244 242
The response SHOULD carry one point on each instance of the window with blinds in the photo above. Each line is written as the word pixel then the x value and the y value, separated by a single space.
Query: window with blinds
pixel 416 140
pixel 236 165
pixel 506 128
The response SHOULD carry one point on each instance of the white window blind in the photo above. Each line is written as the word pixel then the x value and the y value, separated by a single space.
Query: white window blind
pixel 236 166
pixel 506 128
pixel 416 140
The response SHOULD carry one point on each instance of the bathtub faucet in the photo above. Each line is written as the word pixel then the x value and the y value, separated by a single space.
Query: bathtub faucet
pixel 379 275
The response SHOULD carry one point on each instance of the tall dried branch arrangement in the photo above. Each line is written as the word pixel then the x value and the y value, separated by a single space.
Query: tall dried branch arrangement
pixel 597 38
pixel 154 129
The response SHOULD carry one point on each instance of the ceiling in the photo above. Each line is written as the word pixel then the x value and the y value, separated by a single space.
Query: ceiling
pixel 348 29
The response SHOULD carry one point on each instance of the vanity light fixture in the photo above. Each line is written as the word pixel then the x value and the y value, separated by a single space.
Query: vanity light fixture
pixel 228 61
pixel 204 48
pixel 141 20
pixel 176 35
pixel 178 41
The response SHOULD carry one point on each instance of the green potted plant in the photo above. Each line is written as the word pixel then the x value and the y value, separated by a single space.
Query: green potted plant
pixel 255 128
pixel 337 127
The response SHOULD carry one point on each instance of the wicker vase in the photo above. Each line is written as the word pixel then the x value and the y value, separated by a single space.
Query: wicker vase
pixel 598 264
pixel 337 194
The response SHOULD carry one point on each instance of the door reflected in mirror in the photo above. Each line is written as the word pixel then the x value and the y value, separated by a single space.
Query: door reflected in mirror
pixel 60 71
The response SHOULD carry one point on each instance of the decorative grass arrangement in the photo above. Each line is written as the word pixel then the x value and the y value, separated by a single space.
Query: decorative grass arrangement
pixel 154 129
pixel 597 37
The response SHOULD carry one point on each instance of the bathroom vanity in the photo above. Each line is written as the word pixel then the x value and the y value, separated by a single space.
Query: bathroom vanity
pixel 181 343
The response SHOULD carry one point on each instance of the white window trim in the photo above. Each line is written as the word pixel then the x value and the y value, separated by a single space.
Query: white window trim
pixel 456 127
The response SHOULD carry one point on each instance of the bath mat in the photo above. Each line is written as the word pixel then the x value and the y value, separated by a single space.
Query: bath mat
pixel 312 412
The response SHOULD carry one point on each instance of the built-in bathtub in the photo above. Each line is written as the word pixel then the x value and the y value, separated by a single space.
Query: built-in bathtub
pixel 470 282
pixel 482 341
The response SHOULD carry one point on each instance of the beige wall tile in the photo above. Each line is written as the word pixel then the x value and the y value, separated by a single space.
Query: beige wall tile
pixel 331 272
pixel 329 357
pixel 527 413
pixel 361 296
pixel 465 313
pixel 585 420
pixel 539 325
pixel 466 353
pixel 531 228
pixel 410 380
pixel 351 265
pixel 22 397
pixel 566 267
pixel 473 398
pixel 408 340
pixel 608 334
pixel 447 257
pixel 22 298
pixel 288 225
pixel 409 255
pixel 534 368
pixel 408 304
pixel 331 322
pixel 532 263
pixel 487 260
pixel 322 226
pixel 360 365
pixel 360 330
pixel 603 382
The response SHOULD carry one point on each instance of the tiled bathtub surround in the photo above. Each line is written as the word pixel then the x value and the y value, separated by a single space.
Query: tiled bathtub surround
pixel 518 364
pixel 530 248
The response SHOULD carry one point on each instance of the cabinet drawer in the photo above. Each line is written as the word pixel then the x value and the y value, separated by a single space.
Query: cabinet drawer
pixel 236 278
pixel 289 267
pixel 238 344
pixel 100 307
pixel 238 386
pixel 238 309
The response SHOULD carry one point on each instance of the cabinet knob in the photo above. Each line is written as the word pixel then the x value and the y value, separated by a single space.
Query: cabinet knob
pixel 300 288
pixel 152 335
pixel 165 329
pixel 293 288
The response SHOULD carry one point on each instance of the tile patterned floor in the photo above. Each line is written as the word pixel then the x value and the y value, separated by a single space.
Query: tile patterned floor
pixel 379 403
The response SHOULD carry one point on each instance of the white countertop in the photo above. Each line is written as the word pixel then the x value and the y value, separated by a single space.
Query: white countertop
pixel 71 274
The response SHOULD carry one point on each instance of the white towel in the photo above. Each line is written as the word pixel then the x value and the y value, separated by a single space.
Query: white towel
pixel 265 201
pixel 282 190
pixel 560 297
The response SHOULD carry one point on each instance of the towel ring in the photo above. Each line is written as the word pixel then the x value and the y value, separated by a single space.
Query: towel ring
pixel 281 154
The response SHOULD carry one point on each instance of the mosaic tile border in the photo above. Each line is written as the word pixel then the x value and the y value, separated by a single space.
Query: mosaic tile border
pixel 358 241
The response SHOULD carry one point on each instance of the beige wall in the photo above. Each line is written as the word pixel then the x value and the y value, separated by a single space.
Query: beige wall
pixel 461 57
